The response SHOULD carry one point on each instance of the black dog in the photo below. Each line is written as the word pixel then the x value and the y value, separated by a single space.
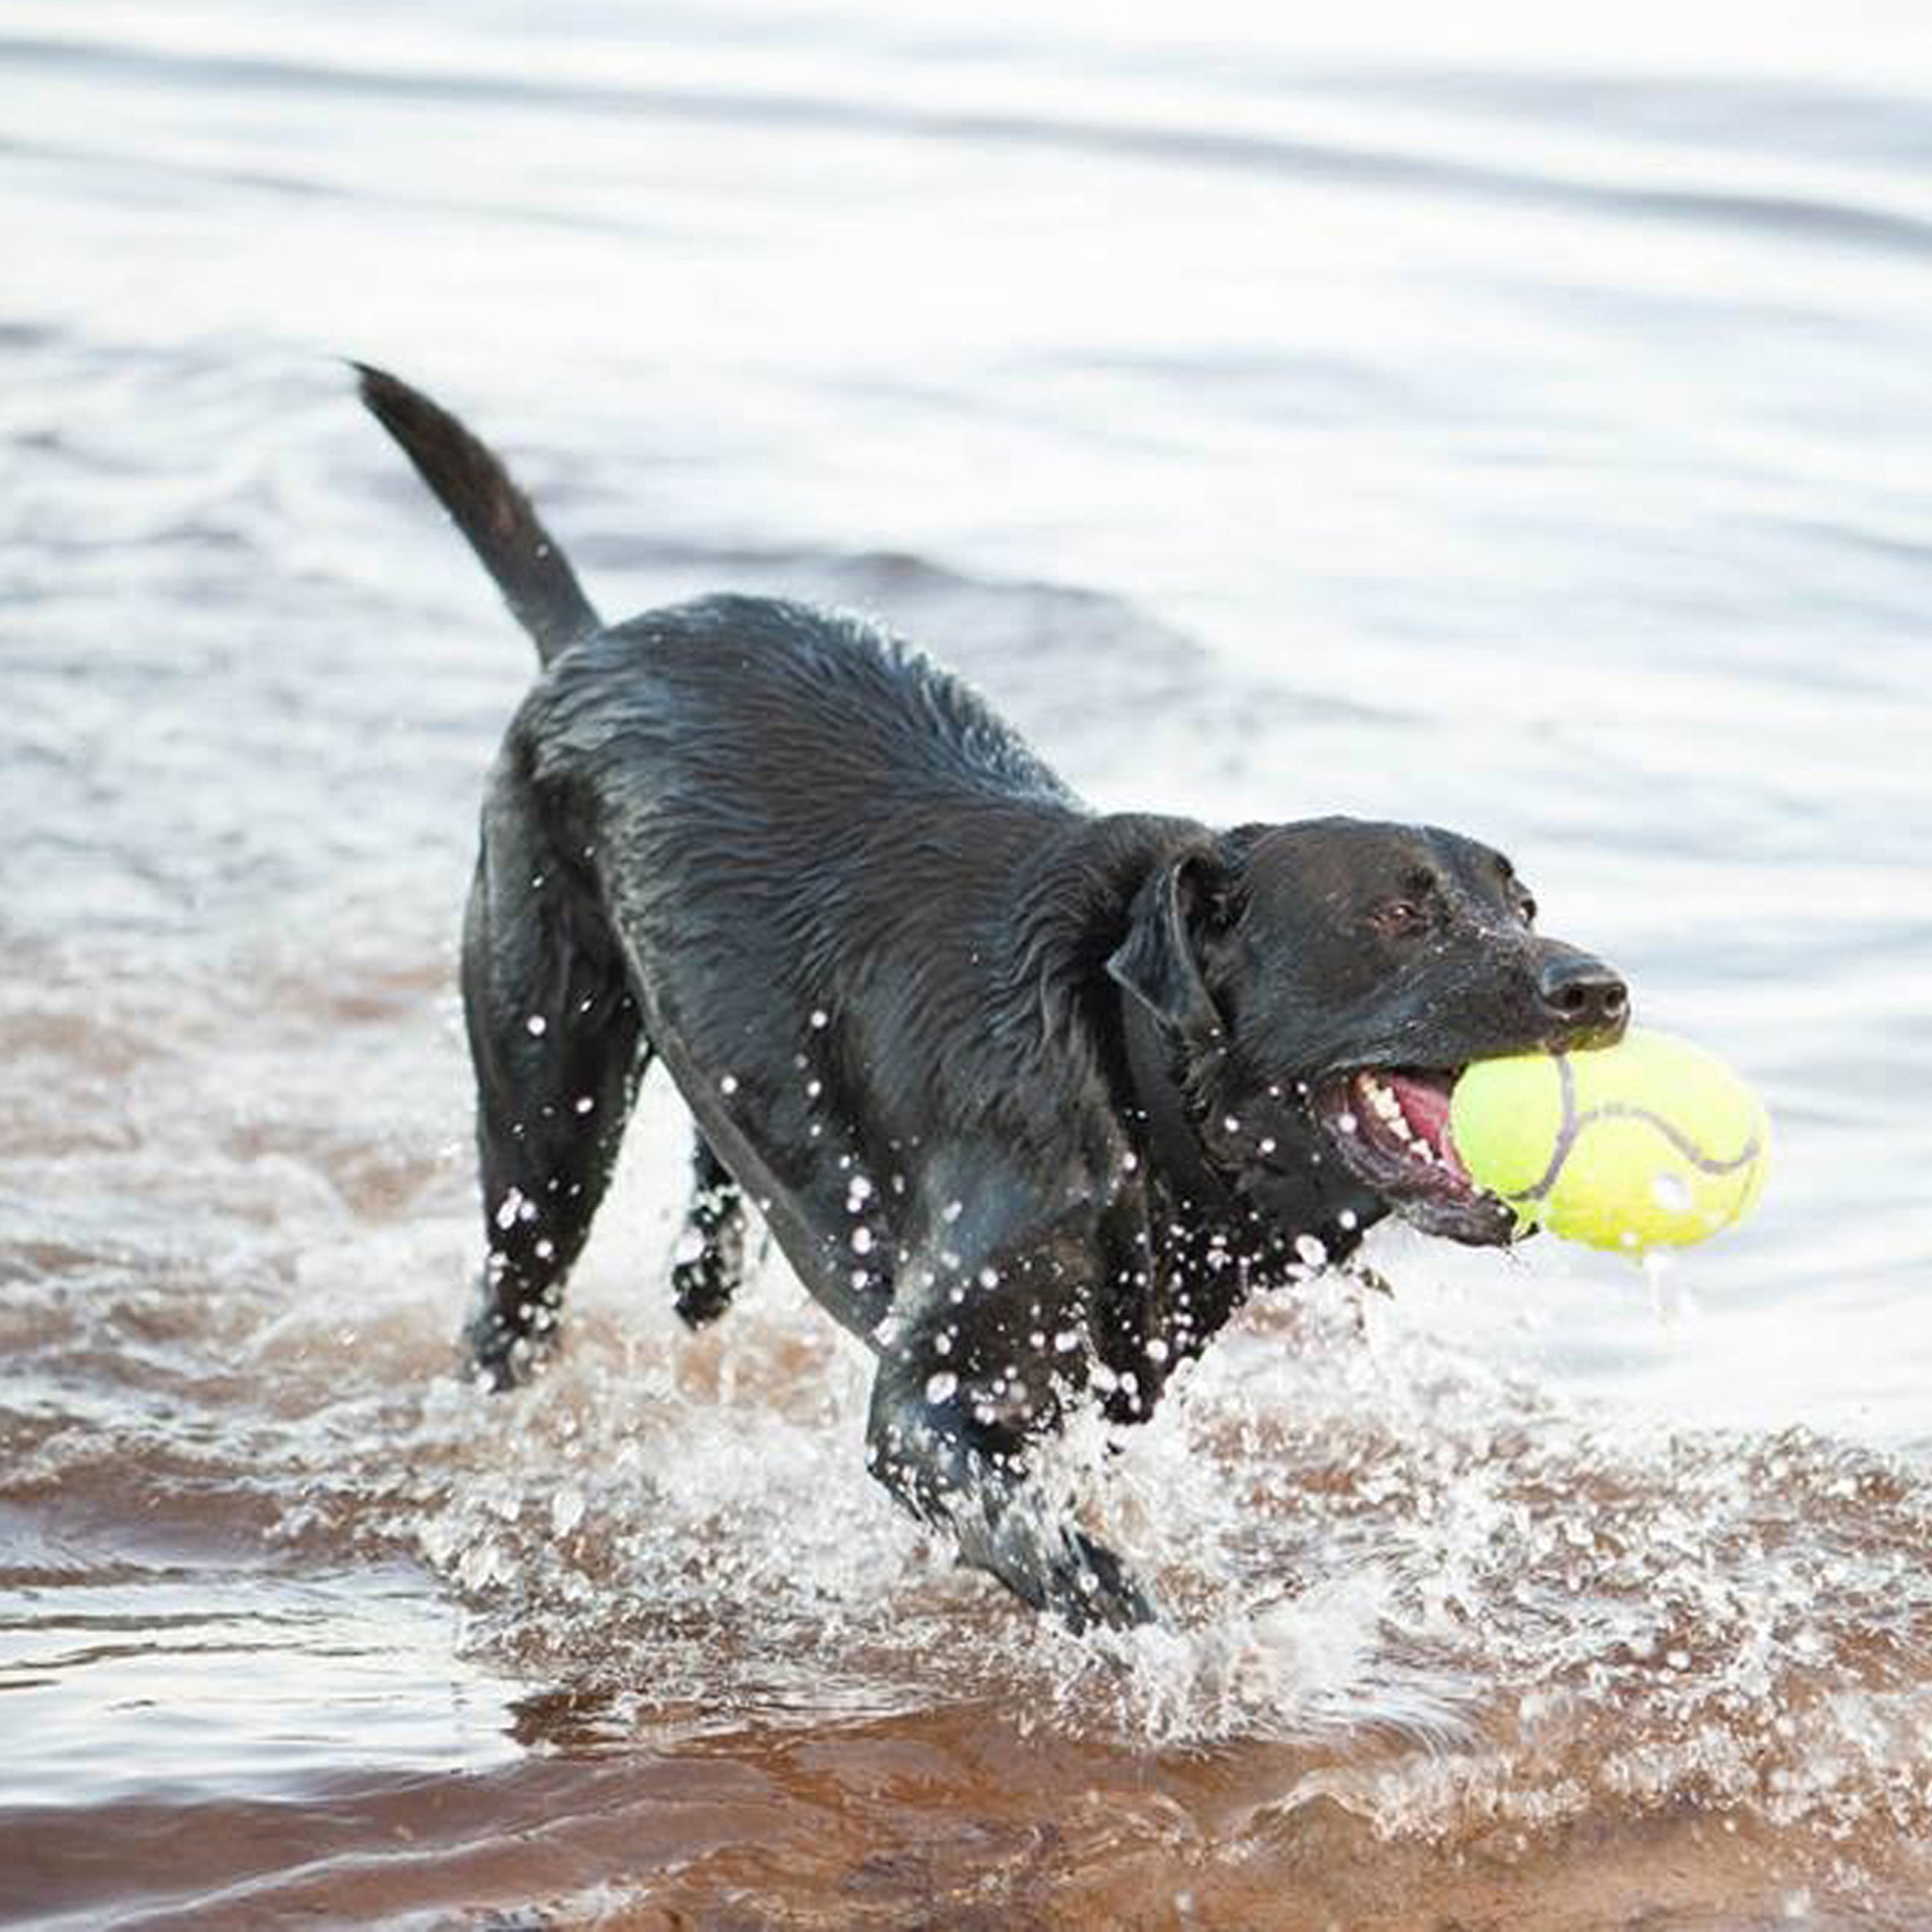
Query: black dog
pixel 1030 1099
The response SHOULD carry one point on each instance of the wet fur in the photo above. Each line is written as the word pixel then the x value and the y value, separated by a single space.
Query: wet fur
pixel 1019 1089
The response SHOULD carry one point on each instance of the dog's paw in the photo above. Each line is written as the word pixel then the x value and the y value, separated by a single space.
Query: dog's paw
pixel 1105 1589
pixel 1065 1573
pixel 1089 1585
pixel 705 1282
pixel 497 1356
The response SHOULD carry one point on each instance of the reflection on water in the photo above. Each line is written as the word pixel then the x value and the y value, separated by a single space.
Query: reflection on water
pixel 1274 417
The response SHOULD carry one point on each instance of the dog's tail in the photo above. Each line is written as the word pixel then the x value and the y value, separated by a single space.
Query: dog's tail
pixel 472 485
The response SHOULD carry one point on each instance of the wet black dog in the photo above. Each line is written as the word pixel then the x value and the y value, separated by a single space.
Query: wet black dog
pixel 1030 1099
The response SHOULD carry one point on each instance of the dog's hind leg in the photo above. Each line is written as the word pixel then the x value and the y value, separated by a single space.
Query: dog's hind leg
pixel 711 1255
pixel 559 1048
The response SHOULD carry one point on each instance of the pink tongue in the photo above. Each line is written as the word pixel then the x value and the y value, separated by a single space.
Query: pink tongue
pixel 1426 1107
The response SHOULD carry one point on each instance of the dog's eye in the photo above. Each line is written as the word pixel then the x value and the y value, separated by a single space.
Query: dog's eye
pixel 1398 917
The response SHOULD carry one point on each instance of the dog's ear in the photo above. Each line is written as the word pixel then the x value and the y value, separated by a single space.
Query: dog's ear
pixel 1159 962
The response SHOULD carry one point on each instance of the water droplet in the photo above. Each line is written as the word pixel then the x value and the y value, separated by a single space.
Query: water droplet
pixel 820 1018
pixel 1671 1193
pixel 729 1084
pixel 861 1240
pixel 537 1024
pixel 941 1386
pixel 585 1103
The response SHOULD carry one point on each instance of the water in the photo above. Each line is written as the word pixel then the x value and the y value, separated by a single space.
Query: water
pixel 1416 416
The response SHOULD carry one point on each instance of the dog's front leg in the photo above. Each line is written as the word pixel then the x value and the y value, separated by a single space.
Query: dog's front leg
pixel 965 1381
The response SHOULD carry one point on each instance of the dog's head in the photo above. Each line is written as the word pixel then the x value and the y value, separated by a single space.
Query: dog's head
pixel 1347 972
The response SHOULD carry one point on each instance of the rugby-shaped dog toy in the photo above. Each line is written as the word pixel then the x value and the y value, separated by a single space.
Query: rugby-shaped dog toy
pixel 1650 1143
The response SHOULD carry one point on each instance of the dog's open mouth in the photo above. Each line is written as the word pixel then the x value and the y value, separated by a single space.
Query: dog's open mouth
pixel 1390 1125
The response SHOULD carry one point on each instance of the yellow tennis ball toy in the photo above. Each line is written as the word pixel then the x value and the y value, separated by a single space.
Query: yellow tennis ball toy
pixel 1650 1143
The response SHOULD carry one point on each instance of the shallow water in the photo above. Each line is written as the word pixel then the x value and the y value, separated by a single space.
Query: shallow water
pixel 1416 416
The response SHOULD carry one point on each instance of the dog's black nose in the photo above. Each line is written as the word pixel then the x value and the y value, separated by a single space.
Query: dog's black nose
pixel 1587 999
